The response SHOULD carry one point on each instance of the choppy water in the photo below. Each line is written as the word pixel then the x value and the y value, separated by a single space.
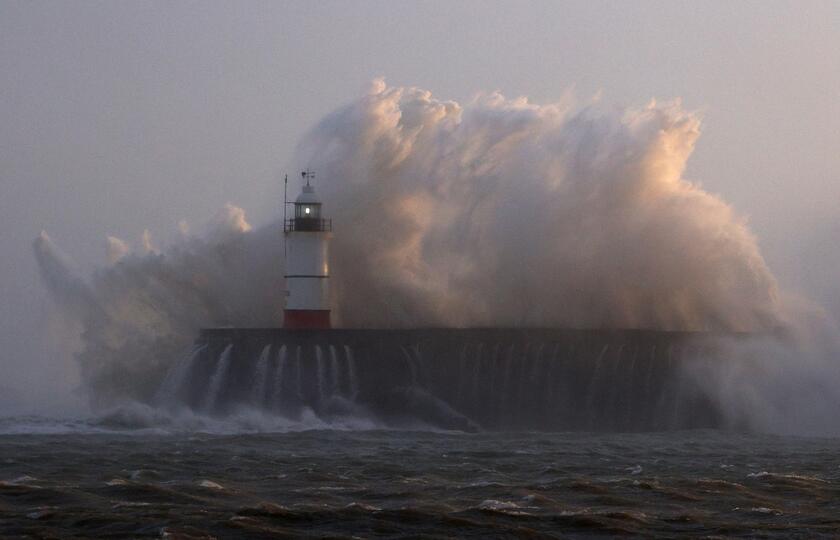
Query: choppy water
pixel 116 477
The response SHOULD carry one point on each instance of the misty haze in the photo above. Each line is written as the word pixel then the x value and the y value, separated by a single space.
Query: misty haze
pixel 445 270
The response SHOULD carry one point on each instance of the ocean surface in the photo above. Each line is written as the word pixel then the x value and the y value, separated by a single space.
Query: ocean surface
pixel 138 475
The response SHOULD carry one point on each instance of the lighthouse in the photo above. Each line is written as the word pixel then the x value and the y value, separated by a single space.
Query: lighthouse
pixel 307 237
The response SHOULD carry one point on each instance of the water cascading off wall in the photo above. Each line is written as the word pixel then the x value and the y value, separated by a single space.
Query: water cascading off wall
pixel 469 379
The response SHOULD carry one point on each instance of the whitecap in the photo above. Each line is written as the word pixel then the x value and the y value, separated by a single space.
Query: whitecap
pixel 634 470
pixel 493 504
pixel 24 480
pixel 765 510
pixel 362 506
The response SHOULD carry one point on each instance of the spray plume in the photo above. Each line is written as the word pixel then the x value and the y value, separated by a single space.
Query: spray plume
pixel 505 213
pixel 497 213
pixel 140 313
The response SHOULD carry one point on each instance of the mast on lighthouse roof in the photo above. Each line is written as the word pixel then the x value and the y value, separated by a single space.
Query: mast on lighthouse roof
pixel 307 266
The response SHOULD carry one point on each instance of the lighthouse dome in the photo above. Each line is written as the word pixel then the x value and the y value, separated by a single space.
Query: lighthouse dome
pixel 308 196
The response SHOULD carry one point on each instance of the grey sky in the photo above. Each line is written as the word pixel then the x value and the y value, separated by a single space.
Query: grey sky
pixel 116 117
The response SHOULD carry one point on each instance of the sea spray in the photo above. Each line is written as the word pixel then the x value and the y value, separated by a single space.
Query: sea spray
pixel 543 215
pixel 279 374
pixel 319 374
pixel 217 381
pixel 260 380
pixel 352 378
pixel 335 382
pixel 175 379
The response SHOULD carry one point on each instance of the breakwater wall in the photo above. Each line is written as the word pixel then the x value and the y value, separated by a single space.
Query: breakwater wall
pixel 505 379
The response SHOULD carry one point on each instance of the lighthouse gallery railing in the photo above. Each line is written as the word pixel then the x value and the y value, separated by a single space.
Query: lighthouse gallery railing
pixel 307 225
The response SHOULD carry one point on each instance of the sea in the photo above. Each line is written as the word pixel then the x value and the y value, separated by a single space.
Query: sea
pixel 137 473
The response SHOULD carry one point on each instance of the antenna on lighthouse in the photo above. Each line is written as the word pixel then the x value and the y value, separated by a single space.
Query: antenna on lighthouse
pixel 307 175
pixel 285 204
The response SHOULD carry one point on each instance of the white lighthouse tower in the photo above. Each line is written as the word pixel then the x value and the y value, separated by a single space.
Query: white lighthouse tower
pixel 307 266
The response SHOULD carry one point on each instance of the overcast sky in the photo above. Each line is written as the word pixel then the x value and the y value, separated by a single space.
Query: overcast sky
pixel 116 117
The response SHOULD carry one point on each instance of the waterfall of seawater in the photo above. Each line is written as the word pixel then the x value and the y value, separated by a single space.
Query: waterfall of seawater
pixel 218 379
pixel 168 392
pixel 260 381
pixel 352 381
pixel 319 373
pixel 495 379
pixel 279 372
pixel 298 374
pixel 335 383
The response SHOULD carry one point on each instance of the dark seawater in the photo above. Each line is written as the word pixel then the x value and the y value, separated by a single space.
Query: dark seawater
pixel 102 479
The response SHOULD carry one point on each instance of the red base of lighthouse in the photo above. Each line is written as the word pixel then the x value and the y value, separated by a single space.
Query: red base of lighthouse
pixel 299 319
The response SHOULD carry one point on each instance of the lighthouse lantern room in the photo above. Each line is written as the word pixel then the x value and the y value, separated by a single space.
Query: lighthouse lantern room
pixel 307 236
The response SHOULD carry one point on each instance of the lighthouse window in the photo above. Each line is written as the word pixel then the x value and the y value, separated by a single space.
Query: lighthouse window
pixel 307 211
